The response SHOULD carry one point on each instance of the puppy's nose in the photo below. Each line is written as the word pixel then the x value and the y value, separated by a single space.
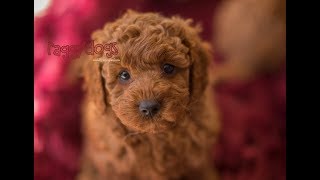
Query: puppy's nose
pixel 149 107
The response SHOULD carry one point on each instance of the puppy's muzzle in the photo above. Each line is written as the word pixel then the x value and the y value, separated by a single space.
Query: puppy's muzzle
pixel 149 108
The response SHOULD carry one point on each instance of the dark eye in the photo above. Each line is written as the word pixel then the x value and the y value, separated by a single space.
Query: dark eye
pixel 168 68
pixel 124 75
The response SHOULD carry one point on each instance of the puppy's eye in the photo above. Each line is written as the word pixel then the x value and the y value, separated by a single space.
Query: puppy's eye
pixel 124 75
pixel 168 68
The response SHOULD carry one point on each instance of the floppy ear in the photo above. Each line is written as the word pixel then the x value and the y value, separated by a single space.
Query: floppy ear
pixel 199 54
pixel 94 83
pixel 198 75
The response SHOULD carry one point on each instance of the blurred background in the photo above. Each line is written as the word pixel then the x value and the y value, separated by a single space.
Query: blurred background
pixel 249 69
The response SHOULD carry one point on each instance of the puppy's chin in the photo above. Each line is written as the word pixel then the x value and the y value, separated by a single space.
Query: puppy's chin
pixel 164 120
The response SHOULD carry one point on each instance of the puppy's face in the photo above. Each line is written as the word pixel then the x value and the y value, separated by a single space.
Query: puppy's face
pixel 150 87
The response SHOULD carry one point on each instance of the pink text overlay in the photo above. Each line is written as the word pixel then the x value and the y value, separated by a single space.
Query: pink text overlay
pixel 74 51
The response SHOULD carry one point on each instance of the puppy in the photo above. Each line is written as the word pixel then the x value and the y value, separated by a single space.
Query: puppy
pixel 147 112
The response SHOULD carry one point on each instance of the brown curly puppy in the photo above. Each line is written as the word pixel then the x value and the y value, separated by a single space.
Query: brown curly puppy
pixel 148 115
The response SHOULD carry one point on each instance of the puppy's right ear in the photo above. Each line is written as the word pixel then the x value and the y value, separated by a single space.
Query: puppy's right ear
pixel 94 83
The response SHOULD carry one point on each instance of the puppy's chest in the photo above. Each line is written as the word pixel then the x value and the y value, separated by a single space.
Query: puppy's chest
pixel 167 153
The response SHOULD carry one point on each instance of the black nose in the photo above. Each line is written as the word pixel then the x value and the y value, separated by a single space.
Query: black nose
pixel 149 107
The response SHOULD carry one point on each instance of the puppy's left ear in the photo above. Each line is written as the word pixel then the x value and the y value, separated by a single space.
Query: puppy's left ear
pixel 200 55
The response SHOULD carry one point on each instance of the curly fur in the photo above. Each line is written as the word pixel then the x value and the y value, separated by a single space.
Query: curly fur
pixel 119 143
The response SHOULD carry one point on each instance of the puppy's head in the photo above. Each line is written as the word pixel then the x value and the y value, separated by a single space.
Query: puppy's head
pixel 159 71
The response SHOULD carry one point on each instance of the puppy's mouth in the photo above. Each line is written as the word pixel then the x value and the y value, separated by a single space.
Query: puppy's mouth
pixel 160 115
pixel 154 122
pixel 156 126
pixel 150 117
pixel 151 112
